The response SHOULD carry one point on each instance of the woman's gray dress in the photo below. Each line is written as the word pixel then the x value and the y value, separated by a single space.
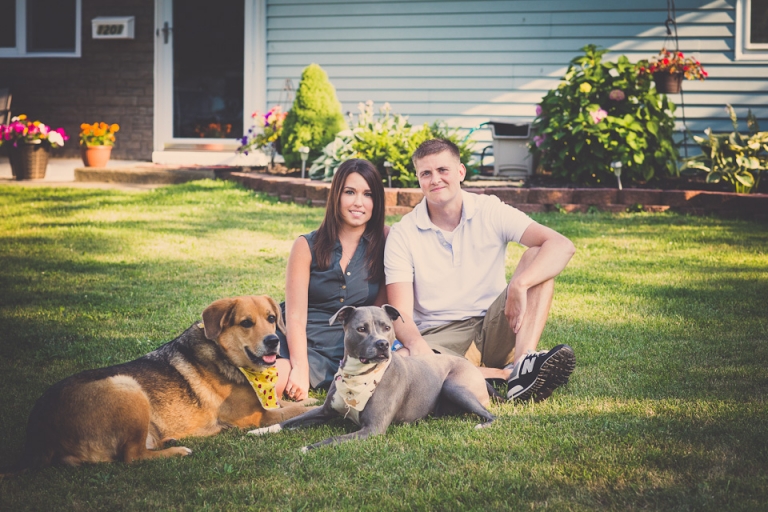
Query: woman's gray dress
pixel 329 291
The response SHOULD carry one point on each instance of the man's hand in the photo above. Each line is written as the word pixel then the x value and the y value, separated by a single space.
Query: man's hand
pixel 417 348
pixel 515 306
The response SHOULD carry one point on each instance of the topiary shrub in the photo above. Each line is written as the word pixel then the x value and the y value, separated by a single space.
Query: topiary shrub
pixel 601 113
pixel 387 137
pixel 314 119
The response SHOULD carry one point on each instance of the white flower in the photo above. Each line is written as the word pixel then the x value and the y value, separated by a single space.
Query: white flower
pixel 56 139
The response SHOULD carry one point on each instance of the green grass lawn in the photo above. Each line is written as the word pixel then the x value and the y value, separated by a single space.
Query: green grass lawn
pixel 667 408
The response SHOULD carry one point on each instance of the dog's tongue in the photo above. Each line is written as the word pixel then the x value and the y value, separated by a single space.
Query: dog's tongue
pixel 270 359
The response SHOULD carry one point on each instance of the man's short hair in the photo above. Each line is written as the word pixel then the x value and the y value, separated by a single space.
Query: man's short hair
pixel 433 147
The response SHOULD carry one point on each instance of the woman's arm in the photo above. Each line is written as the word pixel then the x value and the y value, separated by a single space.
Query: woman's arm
pixel 381 297
pixel 296 304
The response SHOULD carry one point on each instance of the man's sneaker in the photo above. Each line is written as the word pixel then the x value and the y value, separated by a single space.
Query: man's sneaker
pixel 538 374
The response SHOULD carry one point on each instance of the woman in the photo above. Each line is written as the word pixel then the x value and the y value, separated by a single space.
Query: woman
pixel 340 264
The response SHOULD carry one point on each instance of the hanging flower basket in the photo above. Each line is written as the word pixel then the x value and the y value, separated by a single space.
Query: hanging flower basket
pixel 29 161
pixel 668 83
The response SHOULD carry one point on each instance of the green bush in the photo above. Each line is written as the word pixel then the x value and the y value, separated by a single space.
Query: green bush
pixel 314 119
pixel 387 137
pixel 732 157
pixel 601 113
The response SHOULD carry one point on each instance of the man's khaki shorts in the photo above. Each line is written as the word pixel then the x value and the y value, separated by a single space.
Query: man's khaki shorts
pixel 484 340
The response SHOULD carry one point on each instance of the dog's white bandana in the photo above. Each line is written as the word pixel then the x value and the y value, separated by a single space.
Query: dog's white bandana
pixel 355 384
pixel 263 383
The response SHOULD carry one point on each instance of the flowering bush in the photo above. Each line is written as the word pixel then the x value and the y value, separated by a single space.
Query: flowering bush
pixel 266 130
pixel 601 113
pixel 98 134
pixel 386 138
pixel 670 62
pixel 22 130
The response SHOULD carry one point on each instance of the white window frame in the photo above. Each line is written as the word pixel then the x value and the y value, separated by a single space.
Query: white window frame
pixel 744 49
pixel 20 51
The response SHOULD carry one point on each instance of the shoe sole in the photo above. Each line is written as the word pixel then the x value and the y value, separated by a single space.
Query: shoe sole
pixel 554 373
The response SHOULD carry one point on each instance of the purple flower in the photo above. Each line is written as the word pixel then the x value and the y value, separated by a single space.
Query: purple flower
pixel 539 139
pixel 617 95
pixel 539 110
pixel 598 115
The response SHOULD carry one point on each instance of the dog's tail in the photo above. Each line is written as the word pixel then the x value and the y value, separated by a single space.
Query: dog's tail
pixel 494 394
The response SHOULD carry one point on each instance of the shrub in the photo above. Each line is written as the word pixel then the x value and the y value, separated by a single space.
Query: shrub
pixel 314 119
pixel 386 138
pixel 732 157
pixel 601 113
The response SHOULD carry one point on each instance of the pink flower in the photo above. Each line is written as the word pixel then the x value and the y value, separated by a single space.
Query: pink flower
pixel 598 115
pixel 539 139
pixel 538 110
pixel 617 95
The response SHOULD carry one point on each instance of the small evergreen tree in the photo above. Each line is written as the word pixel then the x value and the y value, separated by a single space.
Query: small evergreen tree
pixel 315 117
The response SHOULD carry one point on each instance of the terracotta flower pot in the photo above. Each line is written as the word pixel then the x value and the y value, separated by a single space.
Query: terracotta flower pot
pixel 668 83
pixel 29 161
pixel 95 156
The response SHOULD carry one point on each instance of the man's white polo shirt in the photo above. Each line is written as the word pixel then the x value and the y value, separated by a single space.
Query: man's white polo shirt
pixel 459 278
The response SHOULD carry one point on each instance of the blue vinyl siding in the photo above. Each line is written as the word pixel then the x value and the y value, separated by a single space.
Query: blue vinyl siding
pixel 467 62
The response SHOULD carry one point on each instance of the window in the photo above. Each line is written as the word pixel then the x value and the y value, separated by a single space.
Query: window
pixel 752 30
pixel 40 28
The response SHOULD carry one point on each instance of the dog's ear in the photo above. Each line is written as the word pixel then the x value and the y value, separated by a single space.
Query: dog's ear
pixel 278 313
pixel 218 315
pixel 392 312
pixel 342 315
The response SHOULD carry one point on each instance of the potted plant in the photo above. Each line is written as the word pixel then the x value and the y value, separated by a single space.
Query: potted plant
pixel 669 68
pixel 265 133
pixel 96 141
pixel 29 144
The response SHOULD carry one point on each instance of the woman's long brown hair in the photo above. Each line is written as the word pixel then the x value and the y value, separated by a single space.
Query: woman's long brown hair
pixel 328 232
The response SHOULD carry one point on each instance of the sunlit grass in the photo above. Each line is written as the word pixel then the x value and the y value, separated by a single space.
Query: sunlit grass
pixel 666 410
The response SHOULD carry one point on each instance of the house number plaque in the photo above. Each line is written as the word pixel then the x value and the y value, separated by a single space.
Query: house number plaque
pixel 116 27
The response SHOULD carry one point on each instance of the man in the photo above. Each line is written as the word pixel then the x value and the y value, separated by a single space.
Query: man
pixel 445 273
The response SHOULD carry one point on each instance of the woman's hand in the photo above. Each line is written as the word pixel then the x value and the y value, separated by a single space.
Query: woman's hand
pixel 297 387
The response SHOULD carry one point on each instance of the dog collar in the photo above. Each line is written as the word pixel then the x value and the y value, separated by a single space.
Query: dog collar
pixel 355 384
pixel 263 383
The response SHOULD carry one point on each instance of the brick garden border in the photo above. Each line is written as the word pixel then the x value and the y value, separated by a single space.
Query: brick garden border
pixel 399 201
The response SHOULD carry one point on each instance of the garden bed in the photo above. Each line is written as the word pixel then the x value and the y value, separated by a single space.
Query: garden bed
pixel 532 198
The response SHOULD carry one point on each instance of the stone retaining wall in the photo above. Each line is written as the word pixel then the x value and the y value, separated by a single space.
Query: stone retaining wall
pixel 399 201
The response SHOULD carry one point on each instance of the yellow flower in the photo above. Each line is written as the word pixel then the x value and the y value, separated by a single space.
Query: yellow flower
pixel 585 88
pixel 114 128
pixel 103 126
pixel 22 117
pixel 84 126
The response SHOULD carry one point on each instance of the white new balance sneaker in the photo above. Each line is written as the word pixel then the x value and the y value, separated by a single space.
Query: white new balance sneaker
pixel 538 374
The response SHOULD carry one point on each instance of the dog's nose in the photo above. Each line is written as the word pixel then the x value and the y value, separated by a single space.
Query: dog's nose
pixel 271 341
pixel 382 345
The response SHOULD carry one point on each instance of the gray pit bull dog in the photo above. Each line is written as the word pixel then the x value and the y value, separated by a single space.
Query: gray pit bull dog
pixel 407 389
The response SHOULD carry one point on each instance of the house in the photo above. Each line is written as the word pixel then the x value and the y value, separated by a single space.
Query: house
pixel 182 77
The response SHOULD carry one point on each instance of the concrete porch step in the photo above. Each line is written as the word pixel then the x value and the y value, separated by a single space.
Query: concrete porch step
pixel 144 174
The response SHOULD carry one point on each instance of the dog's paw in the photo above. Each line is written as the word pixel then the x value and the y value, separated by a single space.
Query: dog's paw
pixel 180 451
pixel 265 430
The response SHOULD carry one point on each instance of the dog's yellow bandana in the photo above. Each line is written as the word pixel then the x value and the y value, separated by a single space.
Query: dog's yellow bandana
pixel 263 383
pixel 355 384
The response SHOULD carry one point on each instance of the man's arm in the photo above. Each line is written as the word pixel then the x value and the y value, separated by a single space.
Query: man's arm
pixel 554 253
pixel 400 295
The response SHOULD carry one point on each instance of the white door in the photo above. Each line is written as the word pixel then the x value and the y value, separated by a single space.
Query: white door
pixel 210 66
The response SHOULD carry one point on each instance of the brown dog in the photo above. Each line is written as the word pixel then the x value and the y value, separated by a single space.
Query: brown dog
pixel 191 386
